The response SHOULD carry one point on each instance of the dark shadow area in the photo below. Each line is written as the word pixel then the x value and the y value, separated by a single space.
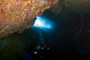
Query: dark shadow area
pixel 69 38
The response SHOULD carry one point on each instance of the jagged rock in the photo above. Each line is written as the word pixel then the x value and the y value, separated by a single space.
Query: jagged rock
pixel 18 15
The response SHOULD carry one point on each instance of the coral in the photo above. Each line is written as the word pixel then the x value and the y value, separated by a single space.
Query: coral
pixel 18 15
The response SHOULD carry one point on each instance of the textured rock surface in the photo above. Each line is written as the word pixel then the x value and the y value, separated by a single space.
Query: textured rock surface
pixel 78 6
pixel 15 17
pixel 18 15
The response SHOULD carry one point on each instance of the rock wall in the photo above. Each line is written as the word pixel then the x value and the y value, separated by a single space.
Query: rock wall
pixel 78 6
pixel 18 15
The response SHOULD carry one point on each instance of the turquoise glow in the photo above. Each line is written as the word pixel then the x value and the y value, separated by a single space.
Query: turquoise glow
pixel 42 22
